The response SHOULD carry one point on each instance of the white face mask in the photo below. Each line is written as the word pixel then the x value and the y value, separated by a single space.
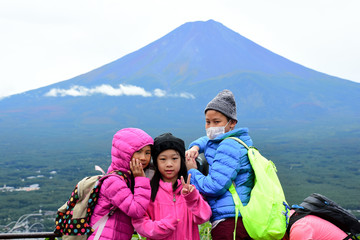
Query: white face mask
pixel 213 132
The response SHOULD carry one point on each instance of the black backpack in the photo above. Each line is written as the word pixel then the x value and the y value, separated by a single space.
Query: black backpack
pixel 323 207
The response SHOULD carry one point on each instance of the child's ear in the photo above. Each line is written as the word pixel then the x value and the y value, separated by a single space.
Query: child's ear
pixel 232 123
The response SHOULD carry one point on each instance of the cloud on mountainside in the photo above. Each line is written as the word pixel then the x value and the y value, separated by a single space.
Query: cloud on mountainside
pixel 123 90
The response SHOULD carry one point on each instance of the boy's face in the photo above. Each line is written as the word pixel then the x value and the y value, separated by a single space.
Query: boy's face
pixel 169 162
pixel 144 155
pixel 217 119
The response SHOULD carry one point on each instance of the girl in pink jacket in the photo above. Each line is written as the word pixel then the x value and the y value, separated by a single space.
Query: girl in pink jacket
pixel 312 227
pixel 176 208
pixel 131 149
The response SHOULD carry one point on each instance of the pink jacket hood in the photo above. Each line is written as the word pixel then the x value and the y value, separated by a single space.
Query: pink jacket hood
pixel 125 143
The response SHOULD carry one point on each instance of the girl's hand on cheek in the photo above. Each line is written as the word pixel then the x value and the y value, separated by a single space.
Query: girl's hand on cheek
pixel 136 168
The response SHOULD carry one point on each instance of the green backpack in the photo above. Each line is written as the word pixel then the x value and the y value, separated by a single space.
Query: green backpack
pixel 267 213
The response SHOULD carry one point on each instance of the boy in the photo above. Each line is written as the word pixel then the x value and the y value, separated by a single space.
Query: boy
pixel 228 163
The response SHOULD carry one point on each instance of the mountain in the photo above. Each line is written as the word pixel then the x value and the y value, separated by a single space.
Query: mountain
pixel 166 85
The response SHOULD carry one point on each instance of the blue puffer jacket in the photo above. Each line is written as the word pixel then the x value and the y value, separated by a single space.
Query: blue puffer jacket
pixel 228 162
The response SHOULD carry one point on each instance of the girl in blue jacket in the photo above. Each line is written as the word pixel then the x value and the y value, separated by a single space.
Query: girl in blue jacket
pixel 228 163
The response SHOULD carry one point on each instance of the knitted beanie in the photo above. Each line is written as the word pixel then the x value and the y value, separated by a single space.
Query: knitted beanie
pixel 225 103
pixel 167 141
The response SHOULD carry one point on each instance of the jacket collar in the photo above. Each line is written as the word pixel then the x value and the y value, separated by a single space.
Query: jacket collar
pixel 167 186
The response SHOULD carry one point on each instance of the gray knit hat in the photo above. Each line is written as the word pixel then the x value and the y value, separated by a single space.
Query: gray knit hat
pixel 225 103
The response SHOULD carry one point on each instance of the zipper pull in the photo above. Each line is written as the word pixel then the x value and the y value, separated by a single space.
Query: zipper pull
pixel 174 199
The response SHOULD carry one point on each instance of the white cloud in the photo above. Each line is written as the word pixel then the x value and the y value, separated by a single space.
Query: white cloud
pixel 159 93
pixel 123 90
pixel 162 93
pixel 80 91
pixel 187 95
pixel 181 95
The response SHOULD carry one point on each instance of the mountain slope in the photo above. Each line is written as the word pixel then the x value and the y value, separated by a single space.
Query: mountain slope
pixel 191 53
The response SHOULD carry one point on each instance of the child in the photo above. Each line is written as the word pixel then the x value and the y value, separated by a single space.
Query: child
pixel 176 207
pixel 131 148
pixel 313 227
pixel 228 163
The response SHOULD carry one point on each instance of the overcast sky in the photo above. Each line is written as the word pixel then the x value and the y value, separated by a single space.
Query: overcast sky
pixel 47 41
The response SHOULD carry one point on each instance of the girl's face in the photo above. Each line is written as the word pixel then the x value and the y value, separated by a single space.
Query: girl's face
pixel 217 119
pixel 144 155
pixel 169 162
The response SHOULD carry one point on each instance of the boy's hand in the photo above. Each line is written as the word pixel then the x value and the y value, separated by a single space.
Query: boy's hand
pixel 136 168
pixel 192 153
pixel 191 163
pixel 190 156
pixel 186 187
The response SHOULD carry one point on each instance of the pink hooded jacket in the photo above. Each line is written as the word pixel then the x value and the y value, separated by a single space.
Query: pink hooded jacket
pixel 161 220
pixel 115 192
pixel 313 227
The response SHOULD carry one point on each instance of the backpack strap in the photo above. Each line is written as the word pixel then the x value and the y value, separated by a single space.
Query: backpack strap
pixel 350 237
pixel 239 141
pixel 98 168
pixel 297 215
pixel 234 194
pixel 100 224
pixel 238 205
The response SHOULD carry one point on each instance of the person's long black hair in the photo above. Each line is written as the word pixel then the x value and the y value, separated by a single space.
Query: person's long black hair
pixel 155 181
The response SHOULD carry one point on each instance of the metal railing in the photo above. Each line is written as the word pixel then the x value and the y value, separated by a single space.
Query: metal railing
pixel 43 235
